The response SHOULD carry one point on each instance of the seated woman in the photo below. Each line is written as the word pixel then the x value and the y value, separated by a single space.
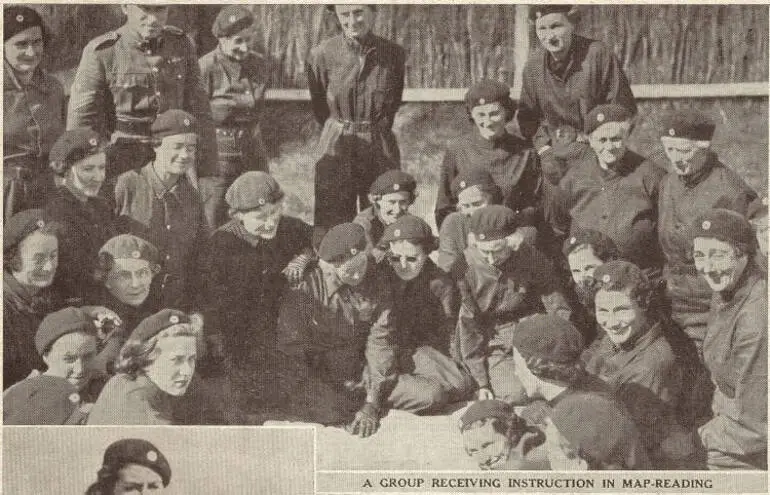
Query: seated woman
pixel 154 371
pixel 126 267
pixel 498 439
pixel 64 392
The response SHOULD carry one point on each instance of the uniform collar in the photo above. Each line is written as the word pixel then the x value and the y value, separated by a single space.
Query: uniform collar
pixel 38 81
pixel 563 68
pixel 133 39
pixel 748 278
pixel 364 46
pixel 232 67
pixel 23 298
pixel 621 168
pixel 236 228
pixel 693 180
pixel 506 141
pixel 639 341
pixel 159 189
pixel 157 399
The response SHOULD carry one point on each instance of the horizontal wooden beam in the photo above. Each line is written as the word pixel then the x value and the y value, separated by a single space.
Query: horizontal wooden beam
pixel 641 91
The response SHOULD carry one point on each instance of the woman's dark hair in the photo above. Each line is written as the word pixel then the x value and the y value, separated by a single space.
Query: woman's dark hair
pixel 105 262
pixel 557 372
pixel 138 354
pixel 61 168
pixel 106 478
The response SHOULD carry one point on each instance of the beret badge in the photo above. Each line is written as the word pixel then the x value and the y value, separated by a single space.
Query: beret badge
pixel 232 18
pixel 40 224
pixel 573 240
pixel 671 132
pixel 152 456
pixel 174 319
pixel 353 251
pixel 463 184
pixel 482 101
pixel 482 236
pixel 186 122
pixel 396 187
pixel 706 225
pixel 19 18
pixel 74 397
pixel 261 201
pixel 606 278
pixel 600 117
pixel 136 254
pixel 397 232
pixel 93 142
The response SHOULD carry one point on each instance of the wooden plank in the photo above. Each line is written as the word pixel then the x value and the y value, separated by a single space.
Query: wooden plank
pixel 641 91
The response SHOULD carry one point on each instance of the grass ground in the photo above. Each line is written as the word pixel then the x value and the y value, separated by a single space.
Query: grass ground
pixel 425 130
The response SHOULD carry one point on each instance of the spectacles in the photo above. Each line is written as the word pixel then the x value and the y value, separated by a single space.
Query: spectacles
pixel 409 259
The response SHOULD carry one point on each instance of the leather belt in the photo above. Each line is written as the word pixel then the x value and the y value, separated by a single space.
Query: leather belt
pixel 355 126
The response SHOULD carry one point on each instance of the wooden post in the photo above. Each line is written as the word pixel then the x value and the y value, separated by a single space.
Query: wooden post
pixel 521 46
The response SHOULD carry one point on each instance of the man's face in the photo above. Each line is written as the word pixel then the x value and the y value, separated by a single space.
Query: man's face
pixel 39 256
pixel 555 33
pixel 609 141
pixel 71 357
pixel 760 229
pixel 488 447
pixel 135 479
pixel 619 315
pixel 471 199
pixel 146 20
pixel 490 120
pixel 237 45
pixel 528 380
pixel 718 262
pixel 392 206
pixel 24 51
pixel 356 20
pixel 562 455
pixel 495 252
pixel 262 222
pixel 88 174
pixel 129 280
pixel 407 259
pixel 173 368
pixel 175 154
pixel 685 155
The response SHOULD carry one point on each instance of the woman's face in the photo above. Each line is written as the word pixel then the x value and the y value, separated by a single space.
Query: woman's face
pixel 490 119
pixel 89 173
pixel 71 357
pixel 129 280
pixel 137 479
pixel 173 368
pixel 24 51
pixel 561 454
pixel 262 222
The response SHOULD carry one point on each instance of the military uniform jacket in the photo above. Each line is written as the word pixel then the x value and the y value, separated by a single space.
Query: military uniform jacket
pixel 680 201
pixel 22 315
pixel 322 315
pixel 122 78
pixel 235 89
pixel 564 93
pixel 644 375
pixel 242 281
pixel 494 299
pixel 373 226
pixel 171 219
pixel 33 115
pixel 452 240
pixel 735 353
pixel 510 160
pixel 621 202
pixel 84 228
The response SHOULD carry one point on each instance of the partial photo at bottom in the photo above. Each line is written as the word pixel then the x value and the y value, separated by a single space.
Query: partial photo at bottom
pixel 161 460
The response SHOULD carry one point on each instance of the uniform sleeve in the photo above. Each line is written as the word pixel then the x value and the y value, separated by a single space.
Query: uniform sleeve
pixel 450 242
pixel 741 428
pixel 614 79
pixel 381 351
pixel 295 318
pixel 88 96
pixel 444 203
pixel 529 113
pixel 317 83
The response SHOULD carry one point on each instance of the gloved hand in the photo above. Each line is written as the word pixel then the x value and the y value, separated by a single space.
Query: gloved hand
pixel 296 268
pixel 366 422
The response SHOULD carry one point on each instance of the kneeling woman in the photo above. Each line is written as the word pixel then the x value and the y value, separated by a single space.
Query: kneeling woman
pixel 154 370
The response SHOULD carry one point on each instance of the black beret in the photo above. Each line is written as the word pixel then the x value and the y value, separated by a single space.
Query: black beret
pixel 22 224
pixel 548 337
pixel 253 190
pixel 620 275
pixel 474 177
pixel 74 145
pixel 130 246
pixel 487 91
pixel 173 122
pixel 153 325
pixel 538 11
pixel 408 228
pixel 690 124
pixel 17 18
pixel 492 222
pixel 40 400
pixel 602 114
pixel 602 245
pixel 60 323
pixel 757 208
pixel 394 180
pixel 483 409
pixel 231 20
pixel 342 242
pixel 724 225
pixel 137 451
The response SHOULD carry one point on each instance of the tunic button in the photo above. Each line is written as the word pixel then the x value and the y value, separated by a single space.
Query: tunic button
pixel 148 52
pixel 168 227
pixel 168 256
pixel 157 93
pixel 248 92
pixel 179 76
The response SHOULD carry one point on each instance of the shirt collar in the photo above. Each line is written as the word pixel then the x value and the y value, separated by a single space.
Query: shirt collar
pixel 159 189
pixel 693 180
pixel 332 282
pixel 236 228
pixel 638 341
pixel 745 283
pixel 231 66
pixel 364 46
pixel 38 80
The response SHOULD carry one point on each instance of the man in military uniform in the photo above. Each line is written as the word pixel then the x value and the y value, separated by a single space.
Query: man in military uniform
pixel 234 79
pixel 128 76
pixel 563 80
pixel 356 80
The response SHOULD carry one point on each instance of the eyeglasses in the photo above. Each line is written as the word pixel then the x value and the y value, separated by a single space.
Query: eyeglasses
pixel 409 259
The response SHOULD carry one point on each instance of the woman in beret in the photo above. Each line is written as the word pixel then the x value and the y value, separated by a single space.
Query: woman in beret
pixel 33 110
pixel 131 465
pixel 86 219
pixel 154 370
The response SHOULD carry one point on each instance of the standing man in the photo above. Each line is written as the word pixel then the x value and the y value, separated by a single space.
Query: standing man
pixel 127 77
pixel 234 79
pixel 356 80
pixel 735 344
pixel 565 78
pixel 698 182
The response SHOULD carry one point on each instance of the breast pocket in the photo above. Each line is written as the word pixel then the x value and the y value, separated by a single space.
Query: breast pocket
pixel 131 91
